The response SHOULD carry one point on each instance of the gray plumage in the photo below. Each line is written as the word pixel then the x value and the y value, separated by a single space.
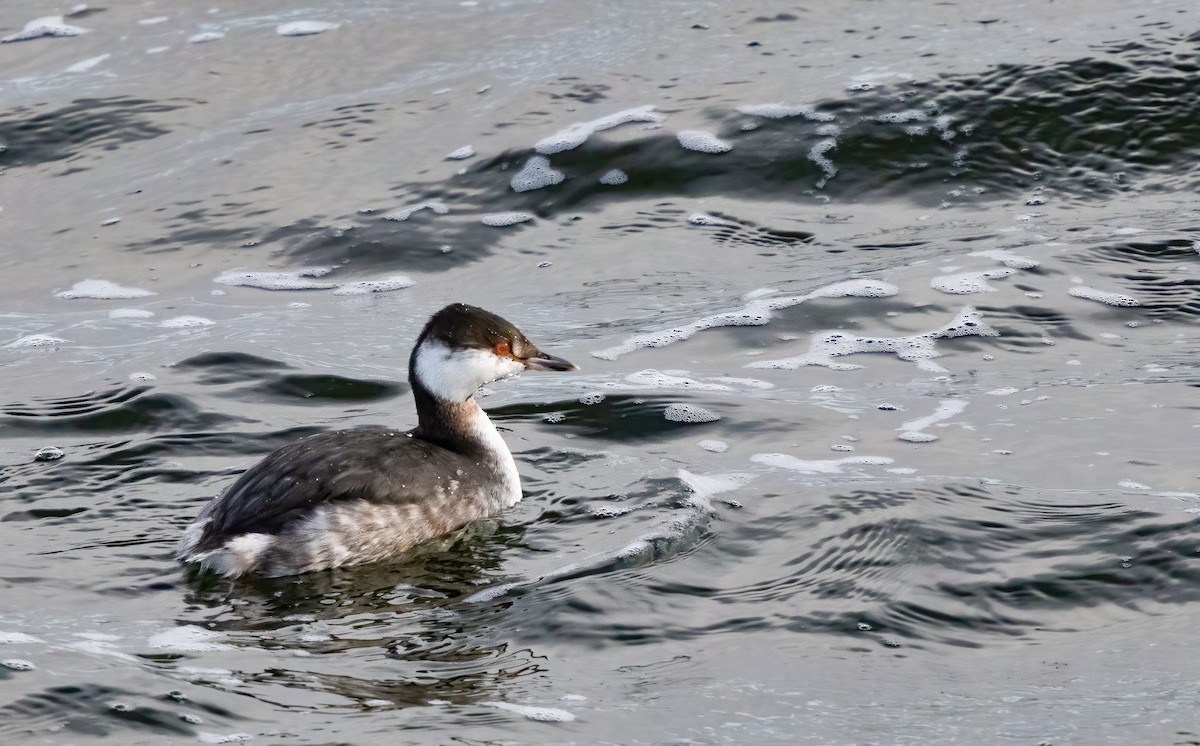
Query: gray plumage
pixel 355 496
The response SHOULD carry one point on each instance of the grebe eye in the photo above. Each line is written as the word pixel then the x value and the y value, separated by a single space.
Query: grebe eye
pixel 503 349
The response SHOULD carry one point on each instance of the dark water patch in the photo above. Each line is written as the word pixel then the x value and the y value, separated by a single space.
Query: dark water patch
pixel 1025 325
pixel 88 709
pixel 1078 130
pixel 616 417
pixel 217 368
pixel 82 129
pixel 321 388
pixel 122 410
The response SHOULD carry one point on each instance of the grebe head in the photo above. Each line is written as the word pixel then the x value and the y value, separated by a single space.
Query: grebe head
pixel 464 347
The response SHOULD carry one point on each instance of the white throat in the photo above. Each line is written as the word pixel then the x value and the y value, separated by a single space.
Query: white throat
pixel 455 375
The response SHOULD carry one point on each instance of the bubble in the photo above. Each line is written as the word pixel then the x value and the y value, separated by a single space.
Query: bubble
pixel 689 413
pixel 140 377
pixel 49 453
pixel 304 28
pixel 703 142
pixel 591 399
pixel 504 219
pixel 536 174
pixel 18 664
pixel 461 154
pixel 130 313
pixel 915 437
pixel 841 447
pixel 714 446
pixel 554 417
pixel 102 290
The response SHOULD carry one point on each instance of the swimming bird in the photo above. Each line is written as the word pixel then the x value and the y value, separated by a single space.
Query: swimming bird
pixel 355 496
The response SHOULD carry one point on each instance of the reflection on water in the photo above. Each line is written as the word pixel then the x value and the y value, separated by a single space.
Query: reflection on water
pixel 885 425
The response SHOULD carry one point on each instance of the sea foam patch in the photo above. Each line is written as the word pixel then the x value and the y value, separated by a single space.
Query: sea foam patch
pixel 536 174
pixel 102 290
pixel 404 213
pixel 34 340
pixel 783 111
pixel 574 135
pixel 304 28
pixel 965 283
pixel 818 466
pixel 505 219
pixel 44 26
pixel 918 348
pixel 755 313
pixel 913 431
pixel 1102 296
pixel 381 285
pixel 702 141
pixel 299 279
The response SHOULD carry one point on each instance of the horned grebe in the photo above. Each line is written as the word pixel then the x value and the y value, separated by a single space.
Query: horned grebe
pixel 355 496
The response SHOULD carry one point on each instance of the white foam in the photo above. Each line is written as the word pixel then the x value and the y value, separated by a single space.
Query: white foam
pixel 110 221
pixel 504 219
pixel 18 664
pixel 591 399
pixel 783 111
pixel 689 413
pixel 816 154
pixel 34 340
pixel 404 213
pixel 1007 258
pixel 536 174
pixel 186 322
pixel 704 486
pixel 153 21
pixel 714 446
pixel 918 348
pixel 102 290
pixel 382 285
pixel 817 466
pixel 130 313
pixel 1101 296
pixel 702 141
pixel 540 714
pixel 45 26
pixel 577 134
pixel 216 738
pixel 299 279
pixel 205 36
pixel 84 65
pixel 965 283
pixel 461 154
pixel 614 177
pixel 913 430
pixel 304 28
pixel 755 313
pixel 189 639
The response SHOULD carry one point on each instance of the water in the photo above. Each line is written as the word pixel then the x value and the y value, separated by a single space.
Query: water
pixel 957 504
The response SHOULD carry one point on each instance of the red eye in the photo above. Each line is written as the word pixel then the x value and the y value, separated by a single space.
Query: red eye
pixel 503 349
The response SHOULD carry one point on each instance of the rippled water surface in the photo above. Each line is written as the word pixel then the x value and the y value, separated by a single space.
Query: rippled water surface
pixel 888 315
